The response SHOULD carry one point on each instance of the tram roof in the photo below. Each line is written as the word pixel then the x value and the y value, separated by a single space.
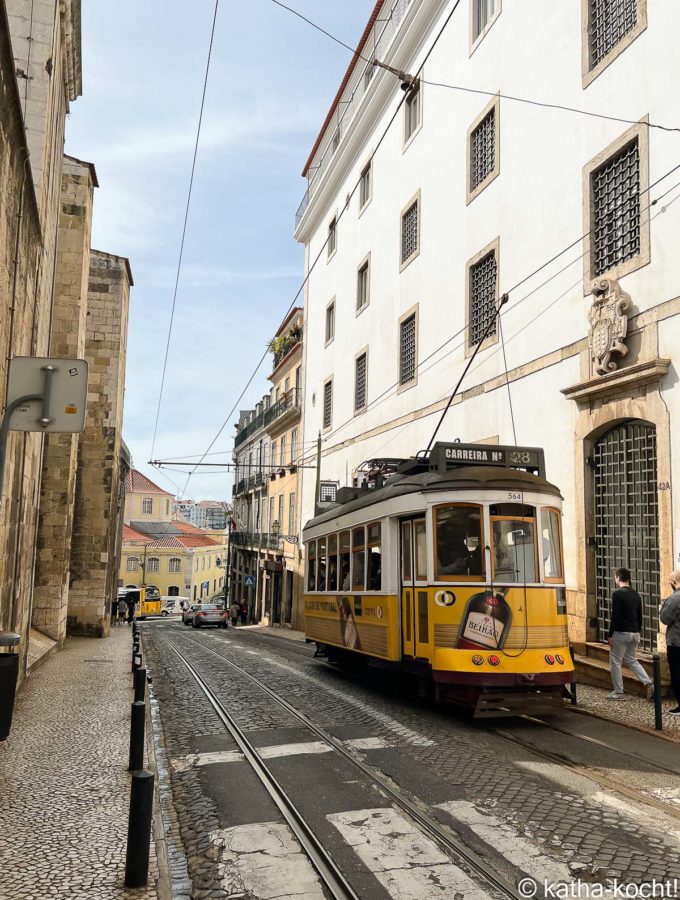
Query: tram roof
pixel 483 478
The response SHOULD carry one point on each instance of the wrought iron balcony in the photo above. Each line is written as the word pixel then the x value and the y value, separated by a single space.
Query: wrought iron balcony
pixel 291 400
pixel 256 539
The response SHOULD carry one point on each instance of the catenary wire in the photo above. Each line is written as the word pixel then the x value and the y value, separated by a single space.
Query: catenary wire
pixel 469 90
pixel 184 226
pixel 325 243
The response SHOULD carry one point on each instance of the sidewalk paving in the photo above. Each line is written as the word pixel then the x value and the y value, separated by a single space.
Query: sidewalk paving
pixel 63 778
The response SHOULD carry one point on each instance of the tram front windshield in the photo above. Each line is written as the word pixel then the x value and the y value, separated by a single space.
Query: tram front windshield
pixel 459 541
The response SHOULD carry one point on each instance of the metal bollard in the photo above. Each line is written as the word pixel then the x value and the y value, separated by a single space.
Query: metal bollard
pixel 140 685
pixel 136 761
pixel 658 709
pixel 572 691
pixel 139 829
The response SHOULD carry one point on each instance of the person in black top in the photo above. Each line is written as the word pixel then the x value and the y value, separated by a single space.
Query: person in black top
pixel 624 634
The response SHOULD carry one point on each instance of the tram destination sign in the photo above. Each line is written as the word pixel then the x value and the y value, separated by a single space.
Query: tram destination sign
pixel 450 456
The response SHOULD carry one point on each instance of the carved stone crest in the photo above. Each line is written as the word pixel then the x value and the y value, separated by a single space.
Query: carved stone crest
pixel 608 325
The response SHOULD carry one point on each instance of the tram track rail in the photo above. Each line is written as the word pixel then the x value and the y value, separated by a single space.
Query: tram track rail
pixel 336 883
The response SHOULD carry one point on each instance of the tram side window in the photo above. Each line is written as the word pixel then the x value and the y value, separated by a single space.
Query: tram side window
pixel 459 551
pixel 311 566
pixel 551 544
pixel 321 566
pixel 513 550
pixel 358 559
pixel 344 560
pixel 374 557
pixel 420 541
pixel 333 562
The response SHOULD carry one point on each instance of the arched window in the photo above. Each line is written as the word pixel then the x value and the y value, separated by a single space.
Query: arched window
pixel 153 564
pixel 174 564
pixel 173 591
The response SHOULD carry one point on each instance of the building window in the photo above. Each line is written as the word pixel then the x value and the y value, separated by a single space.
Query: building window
pixel 281 528
pixel 147 506
pixel 330 322
pixel 407 350
pixel 332 245
pixel 410 230
pixel 335 142
pixel 153 564
pixel 273 455
pixel 482 290
pixel 360 381
pixel 292 523
pixel 271 513
pixel 363 285
pixel 282 457
pixel 369 72
pixel 484 14
pixel 609 22
pixel 365 185
pixel 328 404
pixel 615 199
pixel 132 564
pixel 293 444
pixel 483 150
pixel 174 564
pixel 412 112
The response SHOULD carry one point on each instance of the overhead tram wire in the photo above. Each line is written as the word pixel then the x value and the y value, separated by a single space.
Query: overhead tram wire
pixel 456 87
pixel 186 220
pixel 325 243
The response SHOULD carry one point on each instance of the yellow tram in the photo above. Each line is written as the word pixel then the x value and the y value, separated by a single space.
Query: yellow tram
pixel 450 567
pixel 147 601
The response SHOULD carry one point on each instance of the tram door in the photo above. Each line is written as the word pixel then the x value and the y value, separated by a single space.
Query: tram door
pixel 414 609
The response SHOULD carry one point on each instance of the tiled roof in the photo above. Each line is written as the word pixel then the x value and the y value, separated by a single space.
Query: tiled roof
pixel 136 483
pixel 129 534
pixel 348 74
pixel 188 541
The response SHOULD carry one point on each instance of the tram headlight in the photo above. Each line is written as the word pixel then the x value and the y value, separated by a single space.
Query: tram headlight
pixel 477 660
pixel 559 658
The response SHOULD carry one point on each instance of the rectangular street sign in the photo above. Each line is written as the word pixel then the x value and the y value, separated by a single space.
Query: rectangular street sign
pixel 68 394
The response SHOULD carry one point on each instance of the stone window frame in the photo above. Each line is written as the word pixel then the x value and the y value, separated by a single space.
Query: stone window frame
pixel 367 168
pixel 476 41
pixel 495 248
pixel 147 512
pixel 495 105
pixel 176 569
pixel 414 201
pixel 414 310
pixel 365 262
pixel 153 564
pixel 409 138
pixel 641 132
pixel 332 227
pixel 132 564
pixel 588 75
pixel 331 305
pixel 358 411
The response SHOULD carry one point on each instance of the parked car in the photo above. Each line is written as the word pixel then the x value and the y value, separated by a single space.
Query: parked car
pixel 171 606
pixel 188 613
pixel 211 614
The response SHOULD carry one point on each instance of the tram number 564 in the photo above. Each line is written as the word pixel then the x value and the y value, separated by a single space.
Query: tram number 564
pixel 514 495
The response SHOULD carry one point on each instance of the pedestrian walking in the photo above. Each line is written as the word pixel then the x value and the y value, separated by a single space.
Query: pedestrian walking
pixel 114 611
pixel 122 609
pixel 670 616
pixel 131 612
pixel 243 610
pixel 624 634
pixel 234 612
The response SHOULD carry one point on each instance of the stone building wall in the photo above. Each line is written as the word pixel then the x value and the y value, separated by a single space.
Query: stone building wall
pixel 98 507
pixel 67 340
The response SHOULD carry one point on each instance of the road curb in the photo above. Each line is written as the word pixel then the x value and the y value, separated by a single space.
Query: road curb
pixel 639 728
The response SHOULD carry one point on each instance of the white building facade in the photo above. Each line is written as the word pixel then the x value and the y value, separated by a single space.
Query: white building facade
pixel 414 226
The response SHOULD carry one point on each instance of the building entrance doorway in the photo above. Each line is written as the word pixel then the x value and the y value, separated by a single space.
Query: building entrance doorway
pixel 626 509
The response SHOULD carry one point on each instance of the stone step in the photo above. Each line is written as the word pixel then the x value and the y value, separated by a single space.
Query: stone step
pixel 600 650
pixel 596 672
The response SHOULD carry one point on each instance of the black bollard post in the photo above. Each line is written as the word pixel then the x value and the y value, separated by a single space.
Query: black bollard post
pixel 139 830
pixel 572 691
pixel 140 685
pixel 136 761
pixel 658 709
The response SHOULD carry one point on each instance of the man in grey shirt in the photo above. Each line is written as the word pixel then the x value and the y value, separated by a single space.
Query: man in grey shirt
pixel 670 616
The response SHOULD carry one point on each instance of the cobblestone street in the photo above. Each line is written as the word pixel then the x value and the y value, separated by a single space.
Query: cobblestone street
pixel 572 798
pixel 64 779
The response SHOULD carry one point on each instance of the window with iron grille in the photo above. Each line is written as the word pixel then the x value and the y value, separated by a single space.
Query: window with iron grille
pixel 332 237
pixel 153 564
pixel 412 112
pixel 609 21
pixel 360 387
pixel 362 286
pixel 483 150
pixel 407 350
pixel 615 199
pixel 409 232
pixel 328 404
pixel 330 322
pixel 365 186
pixel 482 292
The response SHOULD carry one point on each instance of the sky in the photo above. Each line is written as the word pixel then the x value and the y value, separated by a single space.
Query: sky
pixel 272 80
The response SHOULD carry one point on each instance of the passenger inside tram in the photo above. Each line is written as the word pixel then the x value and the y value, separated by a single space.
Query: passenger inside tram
pixel 459 550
